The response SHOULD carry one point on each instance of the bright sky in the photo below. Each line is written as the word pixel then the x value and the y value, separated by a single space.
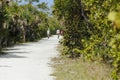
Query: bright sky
pixel 50 2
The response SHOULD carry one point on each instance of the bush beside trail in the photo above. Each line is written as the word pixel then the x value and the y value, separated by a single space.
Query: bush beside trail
pixel 89 32
pixel 24 23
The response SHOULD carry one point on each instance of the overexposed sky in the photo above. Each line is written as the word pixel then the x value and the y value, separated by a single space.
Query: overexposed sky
pixel 50 2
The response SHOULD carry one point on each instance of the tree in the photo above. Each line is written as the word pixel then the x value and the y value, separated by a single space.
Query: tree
pixel 88 31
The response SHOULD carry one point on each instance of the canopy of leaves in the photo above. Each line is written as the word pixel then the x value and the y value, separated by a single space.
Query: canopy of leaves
pixel 88 30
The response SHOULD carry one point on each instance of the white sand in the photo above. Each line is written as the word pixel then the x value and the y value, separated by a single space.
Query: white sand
pixel 29 61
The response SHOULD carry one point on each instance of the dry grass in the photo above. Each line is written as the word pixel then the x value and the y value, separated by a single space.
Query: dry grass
pixel 77 69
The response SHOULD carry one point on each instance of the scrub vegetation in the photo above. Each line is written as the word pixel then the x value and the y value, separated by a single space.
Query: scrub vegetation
pixel 24 22
pixel 92 30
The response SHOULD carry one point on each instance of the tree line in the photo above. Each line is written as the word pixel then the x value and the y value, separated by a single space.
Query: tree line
pixel 24 22
pixel 89 30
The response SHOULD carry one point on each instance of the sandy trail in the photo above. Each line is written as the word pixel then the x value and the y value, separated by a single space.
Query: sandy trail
pixel 29 61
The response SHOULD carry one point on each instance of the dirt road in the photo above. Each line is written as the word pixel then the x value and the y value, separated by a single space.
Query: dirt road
pixel 29 61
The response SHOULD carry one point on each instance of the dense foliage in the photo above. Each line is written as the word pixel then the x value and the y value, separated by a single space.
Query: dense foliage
pixel 89 32
pixel 23 22
pixel 73 18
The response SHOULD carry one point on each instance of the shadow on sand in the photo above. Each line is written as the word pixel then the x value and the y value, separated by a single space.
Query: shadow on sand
pixel 11 55
pixel 5 66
